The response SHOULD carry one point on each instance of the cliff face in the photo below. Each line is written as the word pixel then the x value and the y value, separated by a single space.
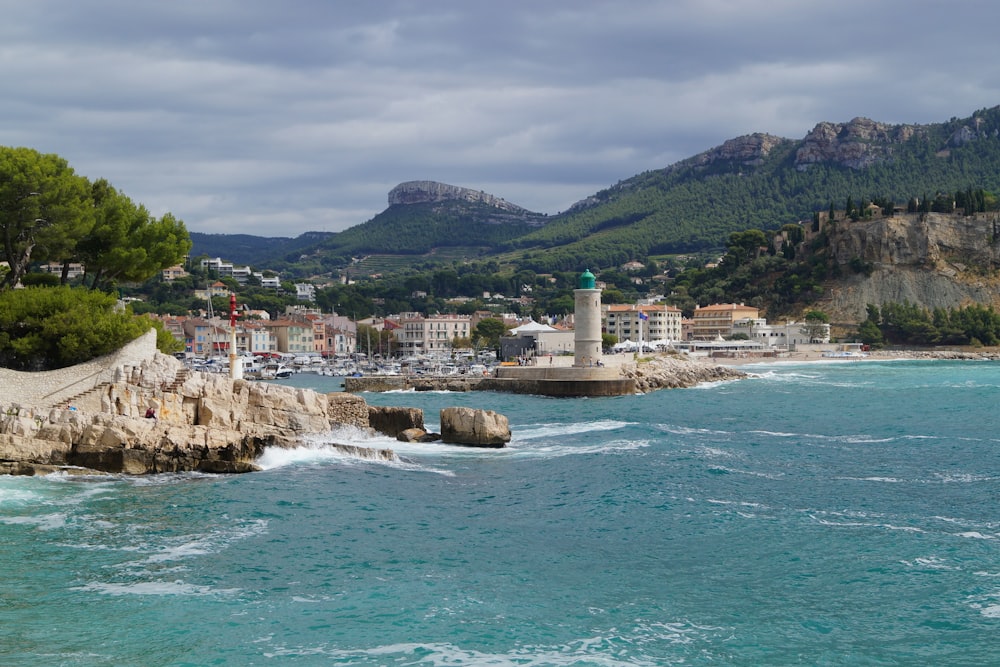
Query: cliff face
pixel 430 192
pixel 932 260
pixel 748 150
pixel 857 144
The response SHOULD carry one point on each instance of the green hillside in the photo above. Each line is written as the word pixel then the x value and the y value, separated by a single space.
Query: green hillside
pixel 758 181
pixel 253 250
pixel 417 229
pixel 693 206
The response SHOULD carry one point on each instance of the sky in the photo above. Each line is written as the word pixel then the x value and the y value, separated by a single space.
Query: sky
pixel 277 118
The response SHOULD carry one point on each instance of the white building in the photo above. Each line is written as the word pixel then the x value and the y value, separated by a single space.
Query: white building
pixel 786 335
pixel 534 339
pixel 305 292
pixel 654 323
pixel 418 334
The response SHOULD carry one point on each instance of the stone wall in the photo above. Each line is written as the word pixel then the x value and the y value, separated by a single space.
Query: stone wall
pixel 50 388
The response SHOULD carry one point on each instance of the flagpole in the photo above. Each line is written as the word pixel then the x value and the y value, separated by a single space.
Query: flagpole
pixel 640 330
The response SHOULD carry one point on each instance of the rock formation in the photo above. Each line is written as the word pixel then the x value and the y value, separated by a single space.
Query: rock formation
pixel 204 422
pixel 748 150
pixel 675 372
pixel 928 259
pixel 857 144
pixel 478 428
pixel 392 421
pixel 423 192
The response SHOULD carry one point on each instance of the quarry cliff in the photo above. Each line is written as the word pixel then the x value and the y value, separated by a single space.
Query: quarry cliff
pixel 934 260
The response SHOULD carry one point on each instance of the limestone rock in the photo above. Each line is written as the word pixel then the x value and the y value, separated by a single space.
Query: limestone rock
pixel 411 435
pixel 205 422
pixel 417 435
pixel 858 144
pixel 674 372
pixel 478 428
pixel 392 421
pixel 920 258
pixel 420 192
pixel 747 150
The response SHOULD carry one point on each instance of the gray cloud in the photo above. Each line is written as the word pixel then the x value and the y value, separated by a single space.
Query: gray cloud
pixel 279 118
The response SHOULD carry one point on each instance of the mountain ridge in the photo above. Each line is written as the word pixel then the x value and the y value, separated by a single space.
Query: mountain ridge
pixel 757 180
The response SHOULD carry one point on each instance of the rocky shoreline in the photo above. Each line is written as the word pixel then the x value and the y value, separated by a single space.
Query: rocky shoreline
pixel 201 422
pixel 674 372
pixel 204 422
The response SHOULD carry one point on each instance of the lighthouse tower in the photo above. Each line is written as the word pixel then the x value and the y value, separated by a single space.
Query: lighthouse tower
pixel 587 313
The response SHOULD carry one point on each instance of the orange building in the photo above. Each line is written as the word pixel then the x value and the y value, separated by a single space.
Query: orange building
pixel 716 321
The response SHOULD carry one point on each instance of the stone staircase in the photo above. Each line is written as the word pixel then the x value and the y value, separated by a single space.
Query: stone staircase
pixel 178 381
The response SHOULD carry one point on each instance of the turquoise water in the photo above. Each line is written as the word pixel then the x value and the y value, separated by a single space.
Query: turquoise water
pixel 825 514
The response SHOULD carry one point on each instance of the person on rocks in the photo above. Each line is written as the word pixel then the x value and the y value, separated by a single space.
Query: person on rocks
pixel 150 412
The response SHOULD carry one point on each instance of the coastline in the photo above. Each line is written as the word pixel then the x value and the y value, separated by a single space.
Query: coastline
pixel 874 355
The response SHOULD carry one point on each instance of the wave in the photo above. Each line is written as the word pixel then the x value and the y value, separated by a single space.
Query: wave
pixel 354 446
pixel 866 524
pixel 348 446
pixel 717 469
pixel 560 450
pixel 155 588
pixel 212 543
pixel 550 430
pixel 937 478
pixel 17 497
pixel 613 648
pixel 42 522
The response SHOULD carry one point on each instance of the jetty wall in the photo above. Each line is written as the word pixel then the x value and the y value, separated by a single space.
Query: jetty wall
pixel 51 388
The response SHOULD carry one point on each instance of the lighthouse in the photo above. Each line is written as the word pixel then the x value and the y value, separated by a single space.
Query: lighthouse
pixel 587 312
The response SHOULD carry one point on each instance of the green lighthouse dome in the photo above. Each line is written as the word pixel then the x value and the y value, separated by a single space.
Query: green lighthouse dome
pixel 587 280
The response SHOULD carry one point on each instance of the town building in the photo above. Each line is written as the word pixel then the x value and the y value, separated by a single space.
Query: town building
pixel 73 270
pixel 255 338
pixel 535 339
pixel 218 288
pixel 172 273
pixel 291 336
pixel 418 334
pixel 788 335
pixel 305 292
pixel 205 337
pixel 716 321
pixel 653 323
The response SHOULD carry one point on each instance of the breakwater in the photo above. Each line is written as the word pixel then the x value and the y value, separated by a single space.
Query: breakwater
pixel 641 376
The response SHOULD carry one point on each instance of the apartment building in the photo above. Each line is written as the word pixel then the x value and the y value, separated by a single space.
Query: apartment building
pixel 657 322
pixel 418 334
pixel 717 320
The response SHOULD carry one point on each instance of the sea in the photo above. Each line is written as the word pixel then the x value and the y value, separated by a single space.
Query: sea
pixel 823 513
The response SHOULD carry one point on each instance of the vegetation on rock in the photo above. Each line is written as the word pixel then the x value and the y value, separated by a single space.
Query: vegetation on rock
pixel 42 328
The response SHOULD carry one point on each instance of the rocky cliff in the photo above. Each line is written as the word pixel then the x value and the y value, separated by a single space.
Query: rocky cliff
pixel 929 259
pixel 429 192
pixel 204 422
pixel 857 144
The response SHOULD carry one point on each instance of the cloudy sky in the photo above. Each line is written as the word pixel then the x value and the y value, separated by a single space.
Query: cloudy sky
pixel 276 118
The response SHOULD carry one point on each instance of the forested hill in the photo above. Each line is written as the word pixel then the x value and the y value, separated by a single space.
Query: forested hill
pixel 757 181
pixel 761 181
pixel 253 250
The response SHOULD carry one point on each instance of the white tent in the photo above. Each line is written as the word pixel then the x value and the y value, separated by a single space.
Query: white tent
pixel 625 346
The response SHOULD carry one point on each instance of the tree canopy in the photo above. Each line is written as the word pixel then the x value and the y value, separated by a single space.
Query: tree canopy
pixel 52 327
pixel 50 214
pixel 44 206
